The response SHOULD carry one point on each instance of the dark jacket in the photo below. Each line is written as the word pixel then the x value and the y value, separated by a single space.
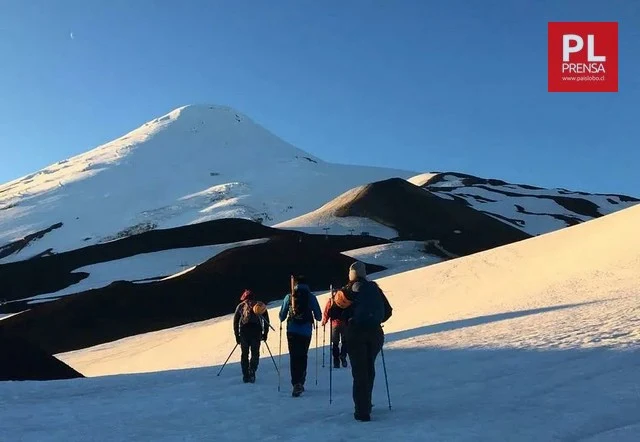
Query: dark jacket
pixel 370 306
pixel 263 327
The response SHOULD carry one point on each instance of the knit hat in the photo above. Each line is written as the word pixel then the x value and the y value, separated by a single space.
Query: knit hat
pixel 357 270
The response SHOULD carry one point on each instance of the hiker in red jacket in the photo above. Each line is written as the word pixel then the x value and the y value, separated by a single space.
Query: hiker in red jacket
pixel 338 329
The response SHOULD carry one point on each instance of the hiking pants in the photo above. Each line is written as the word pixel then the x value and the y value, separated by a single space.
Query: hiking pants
pixel 298 350
pixel 338 334
pixel 250 341
pixel 364 345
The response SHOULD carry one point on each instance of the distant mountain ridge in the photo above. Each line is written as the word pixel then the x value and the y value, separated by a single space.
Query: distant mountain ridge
pixel 533 209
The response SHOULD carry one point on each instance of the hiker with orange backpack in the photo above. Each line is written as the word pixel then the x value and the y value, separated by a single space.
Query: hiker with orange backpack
pixel 335 314
pixel 250 326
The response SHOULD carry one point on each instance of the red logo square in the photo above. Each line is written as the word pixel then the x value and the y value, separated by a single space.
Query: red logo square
pixel 583 56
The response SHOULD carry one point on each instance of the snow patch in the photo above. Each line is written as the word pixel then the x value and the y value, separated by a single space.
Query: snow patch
pixel 531 209
pixel 325 218
pixel 8 315
pixel 143 267
pixel 396 257
pixel 422 179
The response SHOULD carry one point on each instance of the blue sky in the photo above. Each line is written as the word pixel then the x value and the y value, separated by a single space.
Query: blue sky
pixel 420 85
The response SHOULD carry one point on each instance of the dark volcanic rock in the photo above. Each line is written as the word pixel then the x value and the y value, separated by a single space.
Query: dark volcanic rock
pixel 47 274
pixel 16 246
pixel 23 361
pixel 417 214
pixel 211 289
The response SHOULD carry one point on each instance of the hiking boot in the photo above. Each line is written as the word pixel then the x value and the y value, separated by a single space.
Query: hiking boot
pixel 245 379
pixel 336 363
pixel 362 417
pixel 252 376
pixel 297 390
pixel 344 361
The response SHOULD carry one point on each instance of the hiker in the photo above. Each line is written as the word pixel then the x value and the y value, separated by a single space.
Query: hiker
pixel 367 308
pixel 334 313
pixel 299 310
pixel 250 325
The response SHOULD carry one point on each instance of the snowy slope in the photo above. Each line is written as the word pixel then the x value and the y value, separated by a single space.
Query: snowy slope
pixel 594 261
pixel 537 340
pixel 194 164
pixel 397 257
pixel 323 219
pixel 533 209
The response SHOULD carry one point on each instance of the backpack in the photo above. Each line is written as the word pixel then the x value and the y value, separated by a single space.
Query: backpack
pixel 247 315
pixel 369 307
pixel 335 312
pixel 299 308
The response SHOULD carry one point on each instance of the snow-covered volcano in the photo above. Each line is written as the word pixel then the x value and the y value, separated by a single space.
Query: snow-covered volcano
pixel 194 164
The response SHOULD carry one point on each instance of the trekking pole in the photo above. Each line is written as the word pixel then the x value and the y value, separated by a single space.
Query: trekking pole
pixel 330 372
pixel 385 377
pixel 316 352
pixel 271 354
pixel 280 356
pixel 324 332
pixel 225 362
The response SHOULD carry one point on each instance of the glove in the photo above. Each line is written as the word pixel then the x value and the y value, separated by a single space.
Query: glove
pixel 264 337
pixel 238 340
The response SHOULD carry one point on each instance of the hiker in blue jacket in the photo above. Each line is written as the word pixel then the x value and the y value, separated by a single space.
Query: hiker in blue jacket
pixel 299 312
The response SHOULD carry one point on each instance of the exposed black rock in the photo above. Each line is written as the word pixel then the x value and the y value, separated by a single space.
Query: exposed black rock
pixel 211 289
pixel 24 361
pixel 420 215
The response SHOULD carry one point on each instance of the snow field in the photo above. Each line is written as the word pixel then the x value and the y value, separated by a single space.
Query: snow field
pixel 537 340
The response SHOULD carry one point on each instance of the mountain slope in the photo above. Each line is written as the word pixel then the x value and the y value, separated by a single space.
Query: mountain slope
pixel 194 164
pixel 593 264
pixel 536 340
pixel 67 271
pixel 532 209
pixel 208 290
pixel 413 214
